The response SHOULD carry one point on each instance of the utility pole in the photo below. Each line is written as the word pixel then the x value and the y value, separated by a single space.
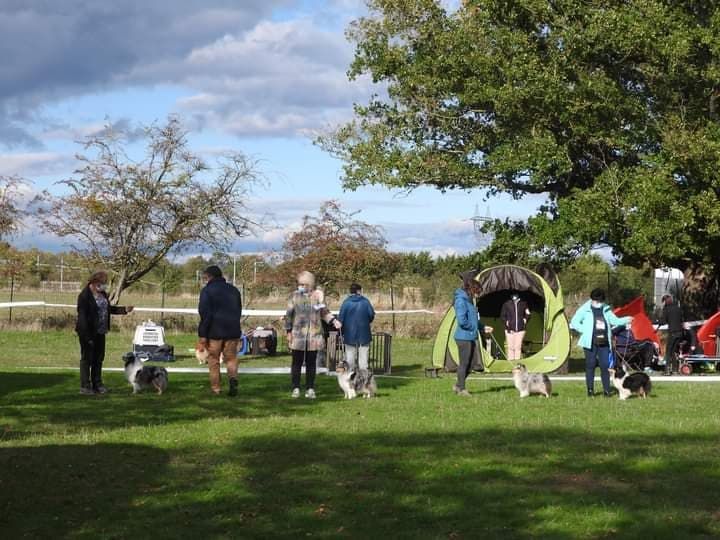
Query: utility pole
pixel 483 239
pixel 62 267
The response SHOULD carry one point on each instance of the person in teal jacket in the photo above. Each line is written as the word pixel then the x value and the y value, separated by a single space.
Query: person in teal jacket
pixel 594 321
pixel 466 333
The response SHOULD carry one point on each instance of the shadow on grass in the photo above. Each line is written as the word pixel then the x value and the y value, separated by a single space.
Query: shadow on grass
pixel 60 491
pixel 496 389
pixel 33 404
pixel 457 485
pixel 408 369
pixel 372 485
pixel 41 383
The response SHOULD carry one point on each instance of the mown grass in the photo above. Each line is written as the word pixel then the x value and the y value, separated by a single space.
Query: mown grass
pixel 417 462
pixel 60 348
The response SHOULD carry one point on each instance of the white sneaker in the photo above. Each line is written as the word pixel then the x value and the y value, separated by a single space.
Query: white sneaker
pixel 295 393
pixel 310 394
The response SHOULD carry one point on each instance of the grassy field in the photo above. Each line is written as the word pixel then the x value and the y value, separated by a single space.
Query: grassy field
pixel 417 462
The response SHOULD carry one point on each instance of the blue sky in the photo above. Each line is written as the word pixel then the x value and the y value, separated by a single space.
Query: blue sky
pixel 261 77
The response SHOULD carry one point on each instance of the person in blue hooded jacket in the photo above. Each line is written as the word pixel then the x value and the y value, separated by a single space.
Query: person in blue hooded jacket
pixel 468 325
pixel 356 314
pixel 594 321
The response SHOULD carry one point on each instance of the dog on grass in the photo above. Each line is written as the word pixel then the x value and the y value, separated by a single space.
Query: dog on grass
pixel 531 383
pixel 355 381
pixel 629 384
pixel 201 353
pixel 143 377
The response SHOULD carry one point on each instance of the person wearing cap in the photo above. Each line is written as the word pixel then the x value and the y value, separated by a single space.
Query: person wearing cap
pixel 515 314
pixel 356 314
pixel 93 323
pixel 306 309
pixel 468 326
pixel 594 321
pixel 220 309
pixel 671 316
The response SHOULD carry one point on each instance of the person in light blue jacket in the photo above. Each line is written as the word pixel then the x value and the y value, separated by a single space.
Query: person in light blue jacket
pixel 466 333
pixel 594 321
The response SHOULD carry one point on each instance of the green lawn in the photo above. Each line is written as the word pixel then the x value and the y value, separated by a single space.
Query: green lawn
pixel 417 462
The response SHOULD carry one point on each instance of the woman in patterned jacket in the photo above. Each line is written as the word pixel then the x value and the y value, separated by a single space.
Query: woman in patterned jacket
pixel 306 309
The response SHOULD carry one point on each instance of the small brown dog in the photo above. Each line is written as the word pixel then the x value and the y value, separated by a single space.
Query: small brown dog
pixel 201 353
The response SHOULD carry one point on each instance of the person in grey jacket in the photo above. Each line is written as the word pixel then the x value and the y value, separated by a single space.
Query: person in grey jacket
pixel 303 324
pixel 468 325
pixel 356 314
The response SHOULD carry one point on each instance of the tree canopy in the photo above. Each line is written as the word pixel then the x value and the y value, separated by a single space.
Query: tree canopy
pixel 10 211
pixel 608 107
pixel 338 249
pixel 126 215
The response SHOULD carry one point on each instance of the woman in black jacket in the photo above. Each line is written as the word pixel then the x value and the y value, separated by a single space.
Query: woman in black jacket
pixel 515 314
pixel 93 322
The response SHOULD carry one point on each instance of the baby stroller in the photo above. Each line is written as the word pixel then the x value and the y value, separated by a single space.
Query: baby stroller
pixel 685 353
pixel 639 354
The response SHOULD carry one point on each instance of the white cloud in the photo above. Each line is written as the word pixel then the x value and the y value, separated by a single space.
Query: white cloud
pixel 32 164
pixel 279 79
pixel 56 50
pixel 439 238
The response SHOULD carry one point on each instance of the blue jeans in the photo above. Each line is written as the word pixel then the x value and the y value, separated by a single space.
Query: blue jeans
pixel 597 356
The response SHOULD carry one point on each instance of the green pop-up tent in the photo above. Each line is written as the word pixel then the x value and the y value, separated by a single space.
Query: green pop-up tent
pixel 547 341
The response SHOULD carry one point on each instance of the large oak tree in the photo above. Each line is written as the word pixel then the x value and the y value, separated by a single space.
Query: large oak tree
pixel 610 108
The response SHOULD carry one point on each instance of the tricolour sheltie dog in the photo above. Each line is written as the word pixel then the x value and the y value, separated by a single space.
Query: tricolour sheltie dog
pixel 143 377
pixel 355 381
pixel 531 383
pixel 628 384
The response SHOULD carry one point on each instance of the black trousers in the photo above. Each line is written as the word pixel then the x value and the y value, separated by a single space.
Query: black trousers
pixel 309 358
pixel 671 352
pixel 466 351
pixel 92 354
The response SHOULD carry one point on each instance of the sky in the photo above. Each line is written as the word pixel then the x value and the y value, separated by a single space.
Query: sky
pixel 258 76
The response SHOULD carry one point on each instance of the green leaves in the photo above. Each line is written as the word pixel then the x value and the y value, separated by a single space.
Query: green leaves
pixel 609 108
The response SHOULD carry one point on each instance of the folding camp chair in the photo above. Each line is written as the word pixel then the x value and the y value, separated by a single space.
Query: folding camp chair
pixel 637 354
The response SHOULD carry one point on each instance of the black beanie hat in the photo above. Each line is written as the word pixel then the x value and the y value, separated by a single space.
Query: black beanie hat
pixel 213 271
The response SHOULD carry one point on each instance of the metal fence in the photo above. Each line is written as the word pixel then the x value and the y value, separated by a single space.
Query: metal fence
pixel 380 357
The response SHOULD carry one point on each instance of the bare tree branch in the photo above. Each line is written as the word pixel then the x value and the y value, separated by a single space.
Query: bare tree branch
pixel 130 215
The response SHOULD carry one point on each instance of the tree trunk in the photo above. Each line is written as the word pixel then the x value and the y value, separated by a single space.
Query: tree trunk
pixel 701 291
pixel 118 287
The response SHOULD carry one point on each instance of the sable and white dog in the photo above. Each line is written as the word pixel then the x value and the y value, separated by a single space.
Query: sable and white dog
pixel 628 384
pixel 531 383
pixel 142 377
pixel 354 382
pixel 201 353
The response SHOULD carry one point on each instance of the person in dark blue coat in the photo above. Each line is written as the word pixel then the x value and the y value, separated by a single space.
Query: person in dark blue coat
pixel 468 326
pixel 356 314
pixel 219 330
